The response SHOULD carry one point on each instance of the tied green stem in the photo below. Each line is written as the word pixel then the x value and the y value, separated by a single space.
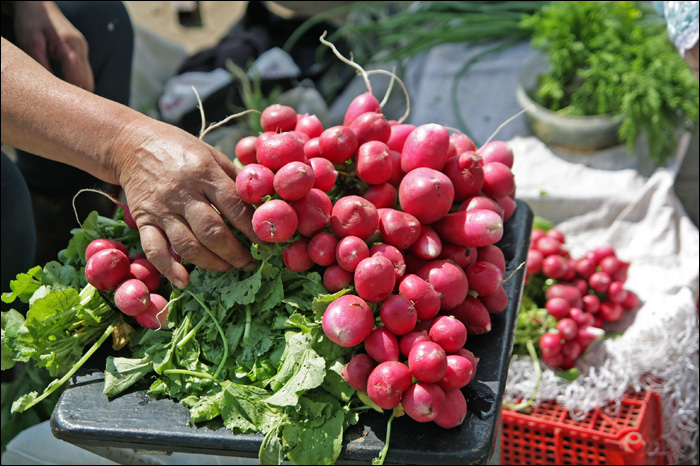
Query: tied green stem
pixel 219 329
pixel 382 454
pixel 538 378
pixel 56 384
pixel 248 322
pixel 192 332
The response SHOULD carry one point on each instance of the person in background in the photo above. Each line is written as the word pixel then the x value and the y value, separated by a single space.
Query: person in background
pixel 683 28
pixel 66 68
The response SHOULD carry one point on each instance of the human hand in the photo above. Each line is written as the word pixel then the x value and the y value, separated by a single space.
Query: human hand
pixel 171 180
pixel 45 34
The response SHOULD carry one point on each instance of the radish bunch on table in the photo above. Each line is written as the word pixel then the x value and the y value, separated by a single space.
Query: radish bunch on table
pixel 580 294
pixel 405 219
pixel 133 279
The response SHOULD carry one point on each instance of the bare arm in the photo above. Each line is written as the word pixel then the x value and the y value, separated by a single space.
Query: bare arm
pixel 170 177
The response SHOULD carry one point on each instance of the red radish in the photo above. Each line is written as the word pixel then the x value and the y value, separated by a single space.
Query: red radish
pixel 494 254
pixel 474 315
pixel 534 261
pixel 469 355
pixel 498 180
pixel 426 146
pixel 610 311
pixel 156 316
pixel 295 256
pixel 107 268
pixel 509 205
pixel 245 150
pixel 398 315
pixel 321 249
pixel 338 144
pixel 103 243
pixel 600 281
pixel 373 162
pixel 348 320
pixel 568 328
pixel 428 245
pixel 448 332
pixel 374 278
pixel 387 383
pixel 371 126
pixel 350 251
pixel 555 266
pixel 408 341
pixel 335 278
pixel 460 255
pixel 427 194
pixel 571 349
pixel 448 279
pixel 568 292
pixel 496 302
pixel 278 150
pixel 466 174
pixel 363 103
pixel 382 195
pixel 325 173
pixel 413 263
pixel 581 317
pixel 313 212
pixel 396 173
pixel 462 143
pixel 473 228
pixel 398 228
pixel 587 334
pixel 275 221
pixel 425 299
pixel 144 270
pixel 382 345
pixel 132 297
pixel 631 301
pixel 585 267
pixel 278 118
pixel 395 256
pixel 497 151
pixel 254 182
pixel 427 361
pixel 455 410
pixel 482 203
pixel 294 181
pixel 128 219
pixel 617 292
pixel 459 373
pixel 549 246
pixel 556 234
pixel 357 371
pixel 550 344
pixel 312 149
pixel 310 125
pixel 599 253
pixel 423 402
pixel 484 277
pixel 399 133
pixel 558 307
pixel 354 216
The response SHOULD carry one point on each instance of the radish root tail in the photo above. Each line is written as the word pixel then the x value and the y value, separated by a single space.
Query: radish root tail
pixel 403 87
pixel 204 129
pixel 502 125
pixel 347 61
pixel 75 210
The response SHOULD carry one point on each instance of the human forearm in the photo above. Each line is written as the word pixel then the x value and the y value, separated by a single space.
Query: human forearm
pixel 54 119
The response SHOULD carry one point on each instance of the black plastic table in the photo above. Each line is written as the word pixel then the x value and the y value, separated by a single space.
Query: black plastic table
pixel 85 417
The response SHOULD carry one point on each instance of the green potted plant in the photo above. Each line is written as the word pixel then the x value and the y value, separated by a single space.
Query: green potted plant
pixel 609 64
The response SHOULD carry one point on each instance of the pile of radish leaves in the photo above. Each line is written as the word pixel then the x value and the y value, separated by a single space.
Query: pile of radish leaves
pixel 247 347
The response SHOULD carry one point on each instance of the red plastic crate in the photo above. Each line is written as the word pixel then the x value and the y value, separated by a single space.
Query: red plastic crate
pixel 624 433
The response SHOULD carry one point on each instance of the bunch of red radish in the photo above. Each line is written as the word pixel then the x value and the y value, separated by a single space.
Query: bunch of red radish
pixel 133 279
pixel 414 236
pixel 587 293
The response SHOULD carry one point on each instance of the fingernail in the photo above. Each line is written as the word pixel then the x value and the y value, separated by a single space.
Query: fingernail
pixel 179 283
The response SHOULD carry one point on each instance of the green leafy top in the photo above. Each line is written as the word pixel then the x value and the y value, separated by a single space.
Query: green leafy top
pixel 615 58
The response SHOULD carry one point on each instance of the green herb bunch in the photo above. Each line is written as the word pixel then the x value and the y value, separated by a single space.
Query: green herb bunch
pixel 615 58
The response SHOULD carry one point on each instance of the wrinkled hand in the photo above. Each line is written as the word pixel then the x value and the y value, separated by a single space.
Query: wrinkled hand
pixel 45 34
pixel 171 180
